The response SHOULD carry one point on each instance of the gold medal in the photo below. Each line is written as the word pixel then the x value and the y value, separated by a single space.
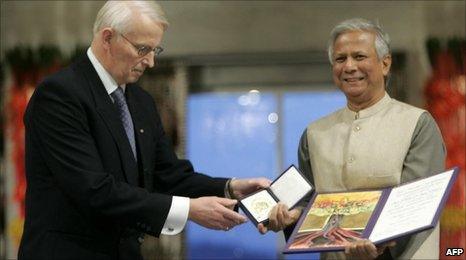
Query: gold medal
pixel 260 205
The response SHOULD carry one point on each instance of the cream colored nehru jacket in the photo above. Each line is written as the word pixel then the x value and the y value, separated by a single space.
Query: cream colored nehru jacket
pixel 366 150
pixel 362 150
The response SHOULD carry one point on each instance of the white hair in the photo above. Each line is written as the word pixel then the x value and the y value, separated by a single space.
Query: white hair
pixel 118 15
pixel 382 40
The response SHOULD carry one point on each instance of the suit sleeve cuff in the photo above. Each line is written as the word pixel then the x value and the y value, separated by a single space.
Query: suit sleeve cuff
pixel 177 216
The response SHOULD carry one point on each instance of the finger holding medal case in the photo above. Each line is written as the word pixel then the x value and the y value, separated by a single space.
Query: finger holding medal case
pixel 289 188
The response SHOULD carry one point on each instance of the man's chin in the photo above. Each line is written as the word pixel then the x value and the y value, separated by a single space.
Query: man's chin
pixel 354 91
pixel 355 94
pixel 133 79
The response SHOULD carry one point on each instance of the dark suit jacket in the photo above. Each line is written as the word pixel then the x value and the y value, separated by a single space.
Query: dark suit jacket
pixel 86 197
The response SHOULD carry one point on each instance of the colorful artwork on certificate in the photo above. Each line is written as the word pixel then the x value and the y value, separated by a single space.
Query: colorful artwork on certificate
pixel 335 220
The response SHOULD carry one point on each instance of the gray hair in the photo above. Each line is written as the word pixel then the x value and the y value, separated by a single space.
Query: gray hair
pixel 382 40
pixel 118 15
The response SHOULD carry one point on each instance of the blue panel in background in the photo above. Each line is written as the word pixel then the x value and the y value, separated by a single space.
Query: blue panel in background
pixel 230 135
pixel 298 110
pixel 236 135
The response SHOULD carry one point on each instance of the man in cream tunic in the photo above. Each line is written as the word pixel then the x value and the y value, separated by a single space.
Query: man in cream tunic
pixel 384 145
pixel 374 142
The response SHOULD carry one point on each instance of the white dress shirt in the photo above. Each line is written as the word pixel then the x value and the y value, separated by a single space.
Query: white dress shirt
pixel 179 209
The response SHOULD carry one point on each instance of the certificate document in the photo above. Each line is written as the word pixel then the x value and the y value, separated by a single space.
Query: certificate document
pixel 411 206
pixel 333 220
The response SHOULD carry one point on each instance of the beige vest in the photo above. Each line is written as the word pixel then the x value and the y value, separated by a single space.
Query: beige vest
pixel 363 150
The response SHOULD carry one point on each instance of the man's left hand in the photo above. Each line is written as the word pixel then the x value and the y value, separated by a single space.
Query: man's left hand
pixel 239 188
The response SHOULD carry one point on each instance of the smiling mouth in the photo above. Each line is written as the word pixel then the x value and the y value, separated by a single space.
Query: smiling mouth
pixel 138 71
pixel 351 80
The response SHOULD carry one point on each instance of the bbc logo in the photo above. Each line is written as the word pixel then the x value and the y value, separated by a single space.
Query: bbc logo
pixel 454 251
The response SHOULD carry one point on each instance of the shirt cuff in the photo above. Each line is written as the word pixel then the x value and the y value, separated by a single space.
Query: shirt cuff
pixel 177 216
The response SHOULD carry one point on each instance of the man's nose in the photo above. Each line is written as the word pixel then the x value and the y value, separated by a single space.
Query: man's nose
pixel 350 65
pixel 149 59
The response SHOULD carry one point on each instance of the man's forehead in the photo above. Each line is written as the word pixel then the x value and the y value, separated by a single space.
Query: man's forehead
pixel 144 23
pixel 354 40
pixel 355 36
pixel 148 34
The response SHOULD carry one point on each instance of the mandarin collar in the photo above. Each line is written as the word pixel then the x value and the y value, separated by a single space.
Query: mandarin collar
pixel 367 112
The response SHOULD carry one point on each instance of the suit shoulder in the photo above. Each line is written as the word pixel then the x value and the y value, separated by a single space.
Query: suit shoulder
pixel 70 79
pixel 65 78
pixel 64 86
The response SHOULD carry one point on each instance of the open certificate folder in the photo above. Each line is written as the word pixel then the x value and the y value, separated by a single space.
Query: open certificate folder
pixel 333 220
pixel 289 188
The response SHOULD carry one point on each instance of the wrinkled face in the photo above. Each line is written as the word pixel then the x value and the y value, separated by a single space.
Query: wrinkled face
pixel 357 70
pixel 126 66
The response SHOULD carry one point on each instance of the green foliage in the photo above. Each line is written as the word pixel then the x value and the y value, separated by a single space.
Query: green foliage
pixel 25 58
pixel 455 46
pixel 433 49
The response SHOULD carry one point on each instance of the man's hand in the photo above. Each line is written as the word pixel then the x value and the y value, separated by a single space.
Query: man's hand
pixel 365 249
pixel 215 213
pixel 280 217
pixel 239 188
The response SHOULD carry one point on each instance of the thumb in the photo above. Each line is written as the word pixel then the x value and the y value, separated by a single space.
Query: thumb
pixel 262 228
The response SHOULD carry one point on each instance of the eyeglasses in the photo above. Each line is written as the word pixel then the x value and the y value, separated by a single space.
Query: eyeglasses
pixel 143 50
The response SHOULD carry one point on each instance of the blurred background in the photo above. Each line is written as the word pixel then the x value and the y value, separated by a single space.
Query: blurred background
pixel 237 84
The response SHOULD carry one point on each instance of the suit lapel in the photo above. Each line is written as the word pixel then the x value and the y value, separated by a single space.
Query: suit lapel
pixel 109 115
pixel 142 128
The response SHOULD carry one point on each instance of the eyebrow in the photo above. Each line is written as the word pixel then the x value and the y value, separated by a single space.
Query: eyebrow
pixel 351 53
pixel 145 45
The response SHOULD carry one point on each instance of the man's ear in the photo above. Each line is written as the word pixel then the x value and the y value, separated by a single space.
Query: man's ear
pixel 386 64
pixel 107 35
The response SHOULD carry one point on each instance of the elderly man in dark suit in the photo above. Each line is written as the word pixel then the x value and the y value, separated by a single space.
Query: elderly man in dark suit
pixel 100 170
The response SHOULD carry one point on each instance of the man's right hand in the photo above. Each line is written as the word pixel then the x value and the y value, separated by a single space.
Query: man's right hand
pixel 215 213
